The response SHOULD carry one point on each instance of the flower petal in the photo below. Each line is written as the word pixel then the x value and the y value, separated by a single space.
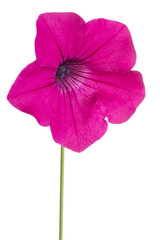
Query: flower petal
pixel 108 46
pixel 58 37
pixel 79 121
pixel 34 92
pixel 119 93
pixel 123 96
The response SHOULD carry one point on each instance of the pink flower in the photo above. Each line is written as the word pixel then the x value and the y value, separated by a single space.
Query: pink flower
pixel 81 75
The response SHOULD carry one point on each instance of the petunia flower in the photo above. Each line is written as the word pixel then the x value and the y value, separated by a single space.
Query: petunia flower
pixel 81 75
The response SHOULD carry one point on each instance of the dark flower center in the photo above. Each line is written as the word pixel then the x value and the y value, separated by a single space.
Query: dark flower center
pixel 70 74
pixel 62 71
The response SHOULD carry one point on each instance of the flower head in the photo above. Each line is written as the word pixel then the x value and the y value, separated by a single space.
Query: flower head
pixel 82 74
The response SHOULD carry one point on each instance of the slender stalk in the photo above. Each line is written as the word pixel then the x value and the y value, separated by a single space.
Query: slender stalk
pixel 61 195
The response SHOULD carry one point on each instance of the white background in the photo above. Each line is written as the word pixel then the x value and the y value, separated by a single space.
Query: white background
pixel 112 189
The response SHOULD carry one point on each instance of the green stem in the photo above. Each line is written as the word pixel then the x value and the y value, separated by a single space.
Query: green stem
pixel 61 195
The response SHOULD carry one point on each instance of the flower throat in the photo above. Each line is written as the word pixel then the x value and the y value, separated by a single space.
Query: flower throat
pixel 62 71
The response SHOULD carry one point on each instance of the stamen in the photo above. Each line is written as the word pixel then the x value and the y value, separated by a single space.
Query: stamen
pixel 67 70
pixel 62 75
pixel 62 68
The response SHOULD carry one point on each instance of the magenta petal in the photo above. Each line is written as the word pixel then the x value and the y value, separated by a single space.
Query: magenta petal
pixel 123 94
pixel 58 37
pixel 123 100
pixel 35 92
pixel 108 46
pixel 79 121
pixel 119 93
